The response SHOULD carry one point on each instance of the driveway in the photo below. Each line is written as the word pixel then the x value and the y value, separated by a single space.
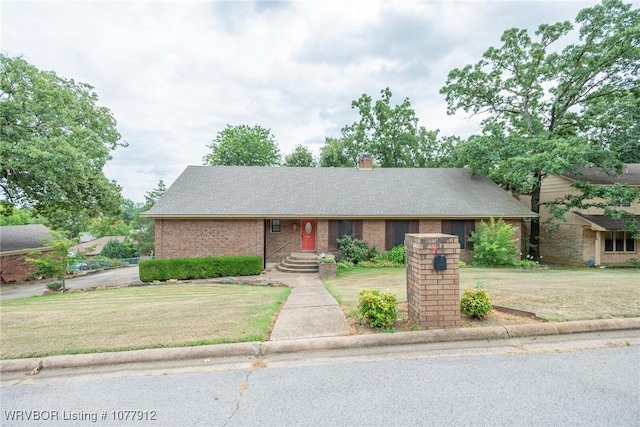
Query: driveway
pixel 113 277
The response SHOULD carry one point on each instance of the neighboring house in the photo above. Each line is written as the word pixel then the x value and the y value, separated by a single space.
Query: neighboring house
pixel 15 242
pixel 93 248
pixel 276 211
pixel 588 236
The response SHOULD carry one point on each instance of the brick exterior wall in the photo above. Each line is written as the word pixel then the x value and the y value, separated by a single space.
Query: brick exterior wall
pixel 176 238
pixel 619 258
pixel 433 297
pixel 566 245
pixel 373 233
pixel 15 268
pixel 322 236
pixel 430 226
pixel 573 244
pixel 197 238
pixel 279 245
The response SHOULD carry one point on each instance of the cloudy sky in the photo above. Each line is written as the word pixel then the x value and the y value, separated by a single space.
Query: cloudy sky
pixel 175 73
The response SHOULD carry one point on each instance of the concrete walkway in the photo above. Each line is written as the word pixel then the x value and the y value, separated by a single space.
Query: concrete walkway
pixel 309 312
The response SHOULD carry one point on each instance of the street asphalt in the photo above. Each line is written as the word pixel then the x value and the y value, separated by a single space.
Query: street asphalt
pixel 311 320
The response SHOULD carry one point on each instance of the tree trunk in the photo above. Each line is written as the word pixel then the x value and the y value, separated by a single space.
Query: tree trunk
pixel 534 236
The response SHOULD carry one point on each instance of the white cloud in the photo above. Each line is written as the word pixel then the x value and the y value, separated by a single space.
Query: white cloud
pixel 175 73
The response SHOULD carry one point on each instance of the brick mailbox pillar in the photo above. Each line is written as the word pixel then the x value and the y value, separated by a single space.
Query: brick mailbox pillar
pixel 433 296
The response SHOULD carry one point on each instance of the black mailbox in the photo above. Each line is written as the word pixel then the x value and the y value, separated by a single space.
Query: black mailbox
pixel 440 263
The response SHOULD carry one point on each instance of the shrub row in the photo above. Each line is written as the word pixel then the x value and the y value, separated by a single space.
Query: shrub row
pixel 200 268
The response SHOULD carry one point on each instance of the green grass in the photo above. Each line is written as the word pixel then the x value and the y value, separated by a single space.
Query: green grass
pixel 554 294
pixel 137 318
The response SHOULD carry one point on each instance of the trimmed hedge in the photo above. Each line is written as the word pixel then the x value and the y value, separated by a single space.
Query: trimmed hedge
pixel 200 268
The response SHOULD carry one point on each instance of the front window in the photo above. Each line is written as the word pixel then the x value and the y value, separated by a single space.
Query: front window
pixel 343 227
pixel 460 228
pixel 395 231
pixel 618 241
pixel 275 226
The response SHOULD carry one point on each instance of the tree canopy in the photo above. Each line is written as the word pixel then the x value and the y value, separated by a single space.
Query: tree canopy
pixel 334 153
pixel 391 134
pixel 301 156
pixel 243 146
pixel 55 140
pixel 550 111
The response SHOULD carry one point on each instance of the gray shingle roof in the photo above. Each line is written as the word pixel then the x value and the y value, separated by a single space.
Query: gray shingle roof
pixel 245 191
pixel 605 222
pixel 23 237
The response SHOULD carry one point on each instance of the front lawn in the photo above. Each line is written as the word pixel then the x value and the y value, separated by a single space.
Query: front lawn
pixel 554 294
pixel 137 317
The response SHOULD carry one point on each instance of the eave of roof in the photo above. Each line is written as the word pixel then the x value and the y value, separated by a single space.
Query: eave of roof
pixel 603 222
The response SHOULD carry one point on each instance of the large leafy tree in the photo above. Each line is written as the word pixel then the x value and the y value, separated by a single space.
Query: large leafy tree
pixel 388 133
pixel 301 156
pixel 243 146
pixel 54 142
pixel 391 134
pixel 545 109
pixel 615 125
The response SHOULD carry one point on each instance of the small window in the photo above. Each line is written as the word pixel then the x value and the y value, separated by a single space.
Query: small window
pixel 618 241
pixel 275 226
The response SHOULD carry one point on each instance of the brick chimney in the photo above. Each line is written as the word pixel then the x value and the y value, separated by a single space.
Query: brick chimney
pixel 365 162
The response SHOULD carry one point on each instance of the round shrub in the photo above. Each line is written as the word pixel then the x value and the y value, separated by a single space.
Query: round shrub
pixel 378 309
pixel 476 302
pixel 353 250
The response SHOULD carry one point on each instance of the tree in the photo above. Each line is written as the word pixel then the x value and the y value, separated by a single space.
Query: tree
pixel 108 226
pixel 388 133
pixel 56 262
pixel 130 211
pixel 540 106
pixel 301 156
pixel 114 249
pixel 144 235
pixel 334 154
pixel 54 142
pixel 11 216
pixel 615 126
pixel 392 135
pixel 243 146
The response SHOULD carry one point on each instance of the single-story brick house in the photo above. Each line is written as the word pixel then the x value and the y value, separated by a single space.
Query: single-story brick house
pixel 588 236
pixel 15 242
pixel 275 211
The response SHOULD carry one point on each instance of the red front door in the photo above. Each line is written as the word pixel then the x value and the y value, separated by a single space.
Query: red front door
pixel 308 234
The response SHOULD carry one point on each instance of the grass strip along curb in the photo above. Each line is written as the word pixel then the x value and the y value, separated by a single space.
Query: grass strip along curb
pixel 313 344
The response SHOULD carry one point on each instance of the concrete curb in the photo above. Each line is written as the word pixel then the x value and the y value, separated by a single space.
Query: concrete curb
pixel 256 349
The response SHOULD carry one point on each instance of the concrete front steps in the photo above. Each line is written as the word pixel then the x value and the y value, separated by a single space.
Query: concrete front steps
pixel 302 262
